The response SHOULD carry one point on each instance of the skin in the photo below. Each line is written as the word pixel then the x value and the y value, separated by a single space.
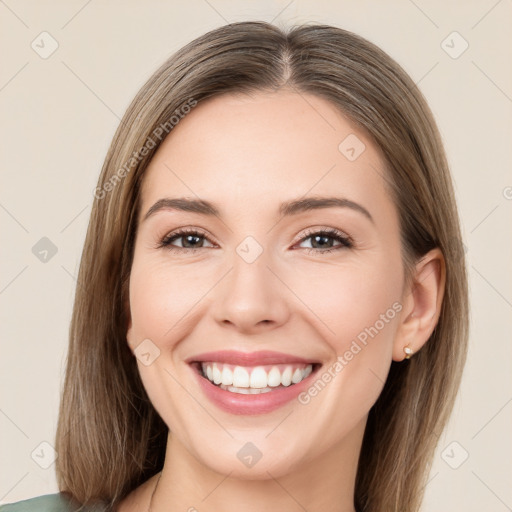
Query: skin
pixel 247 154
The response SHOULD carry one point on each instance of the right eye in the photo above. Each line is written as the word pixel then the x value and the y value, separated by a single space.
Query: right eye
pixel 190 239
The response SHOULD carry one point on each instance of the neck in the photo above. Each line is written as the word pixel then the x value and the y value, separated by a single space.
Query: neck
pixel 324 483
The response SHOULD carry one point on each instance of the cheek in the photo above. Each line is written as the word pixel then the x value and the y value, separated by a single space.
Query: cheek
pixel 353 305
pixel 361 308
pixel 160 299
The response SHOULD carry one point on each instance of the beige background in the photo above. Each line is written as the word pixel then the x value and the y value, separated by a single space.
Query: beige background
pixel 59 114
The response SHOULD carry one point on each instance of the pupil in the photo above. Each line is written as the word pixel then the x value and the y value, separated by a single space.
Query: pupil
pixel 322 237
pixel 188 238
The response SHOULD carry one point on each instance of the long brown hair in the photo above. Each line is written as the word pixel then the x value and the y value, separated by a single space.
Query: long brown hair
pixel 109 438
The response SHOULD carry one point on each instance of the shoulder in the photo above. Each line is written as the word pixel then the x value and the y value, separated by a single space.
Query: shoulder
pixel 48 503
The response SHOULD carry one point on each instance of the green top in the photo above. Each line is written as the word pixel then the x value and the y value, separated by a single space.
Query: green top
pixel 48 503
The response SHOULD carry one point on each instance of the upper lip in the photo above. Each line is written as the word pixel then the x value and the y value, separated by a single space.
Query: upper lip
pixel 261 357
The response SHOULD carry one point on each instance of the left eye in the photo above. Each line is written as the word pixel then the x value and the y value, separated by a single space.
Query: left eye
pixel 322 241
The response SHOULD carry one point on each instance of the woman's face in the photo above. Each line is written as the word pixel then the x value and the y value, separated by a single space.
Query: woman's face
pixel 265 273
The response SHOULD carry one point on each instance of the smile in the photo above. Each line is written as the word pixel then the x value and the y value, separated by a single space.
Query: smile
pixel 252 383
pixel 254 380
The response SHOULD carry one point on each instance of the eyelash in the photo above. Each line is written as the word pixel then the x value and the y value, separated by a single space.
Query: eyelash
pixel 346 242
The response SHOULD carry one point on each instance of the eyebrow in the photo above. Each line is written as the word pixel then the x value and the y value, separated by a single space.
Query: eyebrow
pixel 287 208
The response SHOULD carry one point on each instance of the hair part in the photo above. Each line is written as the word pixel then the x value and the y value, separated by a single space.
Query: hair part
pixel 109 438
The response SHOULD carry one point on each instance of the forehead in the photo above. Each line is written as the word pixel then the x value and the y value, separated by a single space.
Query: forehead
pixel 260 149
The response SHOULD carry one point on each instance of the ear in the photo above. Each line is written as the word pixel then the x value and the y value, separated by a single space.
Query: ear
pixel 422 301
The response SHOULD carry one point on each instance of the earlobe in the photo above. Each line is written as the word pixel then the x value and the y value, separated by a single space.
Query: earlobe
pixel 422 305
pixel 408 351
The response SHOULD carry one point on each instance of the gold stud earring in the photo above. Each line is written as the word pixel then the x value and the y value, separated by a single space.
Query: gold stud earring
pixel 408 352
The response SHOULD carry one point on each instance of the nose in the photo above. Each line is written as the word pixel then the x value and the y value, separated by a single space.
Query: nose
pixel 251 299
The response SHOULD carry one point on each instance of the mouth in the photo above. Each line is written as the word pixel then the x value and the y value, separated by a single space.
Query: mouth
pixel 243 383
pixel 253 380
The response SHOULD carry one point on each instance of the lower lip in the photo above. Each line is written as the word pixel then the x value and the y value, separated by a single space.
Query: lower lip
pixel 237 403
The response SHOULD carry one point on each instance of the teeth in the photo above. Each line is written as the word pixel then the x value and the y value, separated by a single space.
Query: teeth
pixel 217 375
pixel 286 377
pixel 227 376
pixel 242 391
pixel 297 376
pixel 240 377
pixel 260 379
pixel 245 391
pixel 274 377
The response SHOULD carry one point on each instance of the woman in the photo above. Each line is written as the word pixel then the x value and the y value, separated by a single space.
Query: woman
pixel 271 309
